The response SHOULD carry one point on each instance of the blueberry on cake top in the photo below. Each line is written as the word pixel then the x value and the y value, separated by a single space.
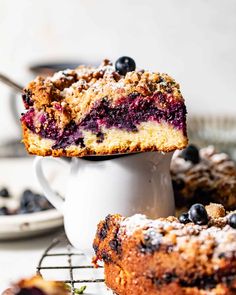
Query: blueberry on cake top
pixel 203 175
pixel 104 110
pixel 169 256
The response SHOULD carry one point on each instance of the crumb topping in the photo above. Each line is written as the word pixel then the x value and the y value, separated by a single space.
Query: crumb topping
pixel 215 210
pixel 218 238
pixel 213 179
pixel 70 94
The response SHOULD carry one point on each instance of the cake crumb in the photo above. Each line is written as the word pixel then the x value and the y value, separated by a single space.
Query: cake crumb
pixel 215 210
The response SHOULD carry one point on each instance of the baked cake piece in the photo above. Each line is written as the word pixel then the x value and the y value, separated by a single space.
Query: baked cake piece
pixel 165 256
pixel 104 110
pixel 203 176
pixel 38 286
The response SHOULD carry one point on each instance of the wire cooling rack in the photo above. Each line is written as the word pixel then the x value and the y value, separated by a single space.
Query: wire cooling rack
pixel 64 263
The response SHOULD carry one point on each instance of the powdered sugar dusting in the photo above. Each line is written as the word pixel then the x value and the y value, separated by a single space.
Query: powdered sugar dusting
pixel 218 158
pixel 133 223
pixel 138 221
pixel 185 238
pixel 94 79
pixel 207 151
pixel 118 85
pixel 180 165
pixel 61 74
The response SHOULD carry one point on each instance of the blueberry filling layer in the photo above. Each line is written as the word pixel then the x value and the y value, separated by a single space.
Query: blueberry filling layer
pixel 126 114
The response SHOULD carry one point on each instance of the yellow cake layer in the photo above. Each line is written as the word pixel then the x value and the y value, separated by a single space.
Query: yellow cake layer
pixel 151 136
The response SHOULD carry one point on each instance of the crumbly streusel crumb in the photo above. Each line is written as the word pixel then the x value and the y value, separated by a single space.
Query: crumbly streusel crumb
pixel 215 210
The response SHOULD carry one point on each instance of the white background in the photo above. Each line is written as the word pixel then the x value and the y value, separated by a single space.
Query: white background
pixel 192 40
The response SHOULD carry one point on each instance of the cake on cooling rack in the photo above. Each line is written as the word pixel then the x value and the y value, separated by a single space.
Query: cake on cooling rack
pixel 37 286
pixel 193 255
pixel 203 176
pixel 104 110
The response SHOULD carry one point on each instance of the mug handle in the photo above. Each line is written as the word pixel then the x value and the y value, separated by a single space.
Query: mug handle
pixel 50 194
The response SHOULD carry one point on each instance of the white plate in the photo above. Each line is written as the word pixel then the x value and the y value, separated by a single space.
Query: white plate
pixel 17 174
pixel 28 225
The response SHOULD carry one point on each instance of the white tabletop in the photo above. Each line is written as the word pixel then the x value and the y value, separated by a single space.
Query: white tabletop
pixel 19 259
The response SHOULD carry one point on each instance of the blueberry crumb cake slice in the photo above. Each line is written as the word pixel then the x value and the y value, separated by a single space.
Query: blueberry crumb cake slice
pixel 38 286
pixel 104 110
pixel 195 254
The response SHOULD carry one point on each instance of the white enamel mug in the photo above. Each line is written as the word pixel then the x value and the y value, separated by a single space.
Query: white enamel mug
pixel 138 183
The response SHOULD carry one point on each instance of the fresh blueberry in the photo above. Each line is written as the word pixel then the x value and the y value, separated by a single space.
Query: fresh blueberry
pixel 198 214
pixel 124 65
pixel 32 202
pixel 27 98
pixel 29 203
pixel 26 197
pixel 42 202
pixel 232 220
pixel 4 211
pixel 4 193
pixel 184 218
pixel 33 207
pixel 191 153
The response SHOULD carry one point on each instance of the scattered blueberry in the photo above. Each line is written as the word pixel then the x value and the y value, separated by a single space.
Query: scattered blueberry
pixel 4 211
pixel 124 65
pixel 42 202
pixel 232 220
pixel 184 218
pixel 4 192
pixel 32 202
pixel 26 197
pixel 191 153
pixel 198 214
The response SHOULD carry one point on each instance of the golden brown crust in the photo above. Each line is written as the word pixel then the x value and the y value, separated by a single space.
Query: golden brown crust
pixel 118 281
pixel 155 257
